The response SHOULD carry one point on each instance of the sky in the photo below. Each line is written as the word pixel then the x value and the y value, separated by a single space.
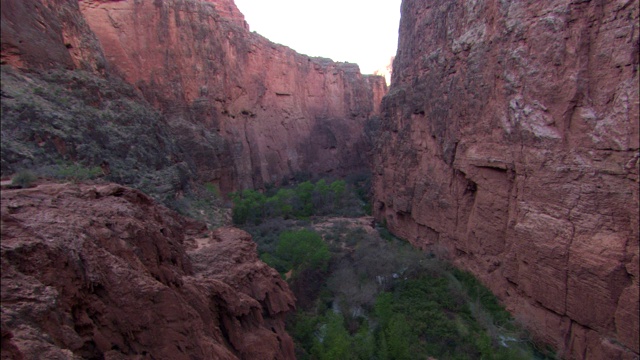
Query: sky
pixel 364 32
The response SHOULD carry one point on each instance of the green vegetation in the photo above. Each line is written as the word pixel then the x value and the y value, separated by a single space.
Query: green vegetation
pixel 425 308
pixel 66 123
pixel 23 179
pixel 75 171
pixel 300 202
pixel 203 203
pixel 299 251
pixel 361 294
pixel 365 294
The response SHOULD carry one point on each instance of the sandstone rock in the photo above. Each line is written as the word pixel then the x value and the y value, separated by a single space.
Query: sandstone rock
pixel 510 142
pixel 48 34
pixel 102 271
pixel 279 112
pixel 245 111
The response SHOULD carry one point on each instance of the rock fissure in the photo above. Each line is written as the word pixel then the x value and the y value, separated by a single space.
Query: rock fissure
pixel 569 252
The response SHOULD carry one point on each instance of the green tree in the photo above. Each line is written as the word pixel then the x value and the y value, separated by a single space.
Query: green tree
pixel 304 193
pixel 303 249
pixel 338 188
pixel 399 338
pixel 364 344
pixel 335 341
pixel 248 206
pixel 382 308
pixel 304 329
pixel 322 198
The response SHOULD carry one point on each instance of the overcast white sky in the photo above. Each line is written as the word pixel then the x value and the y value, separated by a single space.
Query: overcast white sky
pixel 359 31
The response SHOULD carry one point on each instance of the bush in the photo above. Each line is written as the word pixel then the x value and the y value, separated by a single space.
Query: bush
pixel 486 300
pixel 23 179
pixel 213 189
pixel 363 295
pixel 334 340
pixel 77 172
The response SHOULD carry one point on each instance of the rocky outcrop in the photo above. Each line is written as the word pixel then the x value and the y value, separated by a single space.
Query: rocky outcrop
pixel 101 271
pixel 510 142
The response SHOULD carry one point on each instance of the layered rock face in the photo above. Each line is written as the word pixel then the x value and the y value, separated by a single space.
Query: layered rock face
pixel 100 271
pixel 244 111
pixel 279 112
pixel 510 143
pixel 48 34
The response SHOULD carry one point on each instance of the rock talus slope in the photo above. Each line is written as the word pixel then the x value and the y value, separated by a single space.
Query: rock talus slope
pixel 510 142
pixel 101 271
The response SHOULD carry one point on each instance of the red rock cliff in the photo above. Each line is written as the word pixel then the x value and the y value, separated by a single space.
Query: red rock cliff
pixel 39 34
pixel 244 111
pixel 103 272
pixel 278 111
pixel 510 142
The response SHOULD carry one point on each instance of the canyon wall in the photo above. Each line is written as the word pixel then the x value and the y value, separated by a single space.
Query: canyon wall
pixel 102 272
pixel 279 112
pixel 509 143
pixel 243 111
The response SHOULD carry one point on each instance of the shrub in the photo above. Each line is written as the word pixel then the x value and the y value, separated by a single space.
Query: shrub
pixel 484 297
pixel 23 179
pixel 77 172
pixel 248 206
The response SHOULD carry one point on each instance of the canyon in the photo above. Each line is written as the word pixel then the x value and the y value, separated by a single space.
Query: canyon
pixel 278 112
pixel 510 145
pixel 244 111
pixel 507 143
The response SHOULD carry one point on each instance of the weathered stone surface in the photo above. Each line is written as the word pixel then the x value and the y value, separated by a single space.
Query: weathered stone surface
pixel 48 34
pixel 280 112
pixel 510 142
pixel 244 111
pixel 101 271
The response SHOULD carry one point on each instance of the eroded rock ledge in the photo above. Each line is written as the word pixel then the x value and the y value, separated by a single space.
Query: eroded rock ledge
pixel 101 271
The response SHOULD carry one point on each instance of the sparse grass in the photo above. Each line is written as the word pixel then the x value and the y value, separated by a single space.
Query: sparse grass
pixel 62 123
pixel 202 203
